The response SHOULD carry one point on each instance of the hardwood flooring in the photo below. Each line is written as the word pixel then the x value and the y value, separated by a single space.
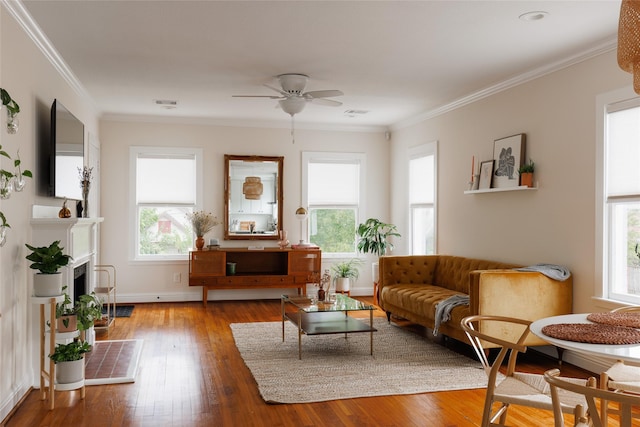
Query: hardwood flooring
pixel 191 374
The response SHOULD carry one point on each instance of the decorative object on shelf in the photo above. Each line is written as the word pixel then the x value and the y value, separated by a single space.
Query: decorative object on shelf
pixel 486 173
pixel 69 360
pixel 526 173
pixel 252 188
pixel 47 260
pixel 473 183
pixel 12 111
pixel 3 229
pixel 629 40
pixel 344 272
pixel 202 222
pixel 301 215
pixel 283 242
pixel 64 212
pixel 231 268
pixel 79 209
pixel 508 155
pixel 85 184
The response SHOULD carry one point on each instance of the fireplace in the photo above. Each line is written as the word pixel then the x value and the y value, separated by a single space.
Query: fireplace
pixel 80 281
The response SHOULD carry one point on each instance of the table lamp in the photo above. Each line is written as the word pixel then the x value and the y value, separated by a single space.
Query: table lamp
pixel 301 215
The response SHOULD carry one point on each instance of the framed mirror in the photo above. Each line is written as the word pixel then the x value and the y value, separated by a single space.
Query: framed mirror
pixel 252 197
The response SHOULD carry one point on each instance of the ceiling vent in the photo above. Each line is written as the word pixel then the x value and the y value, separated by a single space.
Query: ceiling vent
pixel 166 103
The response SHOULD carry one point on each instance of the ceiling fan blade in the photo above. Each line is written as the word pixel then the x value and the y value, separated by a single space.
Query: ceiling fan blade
pixel 322 93
pixel 257 96
pixel 324 101
pixel 280 91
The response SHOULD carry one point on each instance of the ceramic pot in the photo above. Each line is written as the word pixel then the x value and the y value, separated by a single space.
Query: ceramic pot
pixel 70 372
pixel 343 284
pixel 71 324
pixel 47 285
pixel 199 243
pixel 526 179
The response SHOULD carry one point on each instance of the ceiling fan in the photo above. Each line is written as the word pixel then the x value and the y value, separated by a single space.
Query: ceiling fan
pixel 291 97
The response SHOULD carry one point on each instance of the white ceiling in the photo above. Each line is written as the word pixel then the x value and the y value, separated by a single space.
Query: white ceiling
pixel 398 60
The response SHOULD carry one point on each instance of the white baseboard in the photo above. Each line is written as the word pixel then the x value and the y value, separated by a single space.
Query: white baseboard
pixel 585 361
pixel 12 400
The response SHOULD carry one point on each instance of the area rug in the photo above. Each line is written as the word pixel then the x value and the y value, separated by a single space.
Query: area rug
pixel 121 310
pixel 113 362
pixel 333 367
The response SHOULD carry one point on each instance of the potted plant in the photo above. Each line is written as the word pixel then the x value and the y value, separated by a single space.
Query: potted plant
pixel 344 272
pixel 67 320
pixel 47 260
pixel 88 308
pixel 69 360
pixel 526 173
pixel 374 235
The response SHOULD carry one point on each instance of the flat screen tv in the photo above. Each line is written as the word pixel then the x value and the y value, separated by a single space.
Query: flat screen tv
pixel 67 153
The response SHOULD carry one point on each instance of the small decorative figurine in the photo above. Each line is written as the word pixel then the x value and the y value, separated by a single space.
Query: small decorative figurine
pixel 64 212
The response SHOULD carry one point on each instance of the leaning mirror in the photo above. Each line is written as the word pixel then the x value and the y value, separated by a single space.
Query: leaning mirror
pixel 252 197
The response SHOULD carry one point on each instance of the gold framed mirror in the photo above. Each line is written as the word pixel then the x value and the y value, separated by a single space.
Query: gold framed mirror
pixel 252 197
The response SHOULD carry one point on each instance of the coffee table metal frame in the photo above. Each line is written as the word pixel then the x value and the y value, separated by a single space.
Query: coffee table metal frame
pixel 322 318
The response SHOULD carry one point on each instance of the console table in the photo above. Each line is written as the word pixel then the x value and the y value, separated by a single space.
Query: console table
pixel 254 268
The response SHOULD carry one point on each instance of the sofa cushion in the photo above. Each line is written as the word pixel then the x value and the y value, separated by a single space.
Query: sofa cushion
pixel 418 299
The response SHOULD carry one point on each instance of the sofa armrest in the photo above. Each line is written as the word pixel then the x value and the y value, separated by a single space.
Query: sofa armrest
pixel 525 295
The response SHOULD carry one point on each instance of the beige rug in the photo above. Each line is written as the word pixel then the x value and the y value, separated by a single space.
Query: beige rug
pixel 333 367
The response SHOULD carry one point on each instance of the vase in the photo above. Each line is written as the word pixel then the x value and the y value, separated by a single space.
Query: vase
pixel 199 243
pixel 526 179
pixel 321 294
pixel 283 242
pixel 85 199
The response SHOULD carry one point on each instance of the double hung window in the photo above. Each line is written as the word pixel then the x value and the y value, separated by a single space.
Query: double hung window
pixel 422 198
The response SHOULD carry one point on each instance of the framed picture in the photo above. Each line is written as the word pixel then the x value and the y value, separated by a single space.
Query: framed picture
pixel 508 155
pixel 486 172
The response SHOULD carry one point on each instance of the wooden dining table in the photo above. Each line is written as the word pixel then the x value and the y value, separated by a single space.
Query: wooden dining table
pixel 626 352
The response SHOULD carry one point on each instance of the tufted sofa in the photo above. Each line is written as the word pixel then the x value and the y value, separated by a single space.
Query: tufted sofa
pixel 410 287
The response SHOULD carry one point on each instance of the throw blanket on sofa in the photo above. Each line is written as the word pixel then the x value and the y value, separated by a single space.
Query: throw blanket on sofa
pixel 444 307
pixel 556 272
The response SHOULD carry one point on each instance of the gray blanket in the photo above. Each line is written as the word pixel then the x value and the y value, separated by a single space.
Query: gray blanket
pixel 553 271
pixel 444 307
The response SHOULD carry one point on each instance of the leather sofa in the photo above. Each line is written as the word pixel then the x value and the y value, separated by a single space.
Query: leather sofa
pixel 411 286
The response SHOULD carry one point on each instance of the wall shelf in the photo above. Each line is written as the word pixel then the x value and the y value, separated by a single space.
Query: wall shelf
pixel 499 190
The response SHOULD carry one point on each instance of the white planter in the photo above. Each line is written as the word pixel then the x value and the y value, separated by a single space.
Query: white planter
pixel 375 271
pixel 343 284
pixel 47 285
pixel 70 372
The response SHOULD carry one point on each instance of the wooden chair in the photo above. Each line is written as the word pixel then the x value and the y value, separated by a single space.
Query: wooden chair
pixel 591 393
pixel 517 388
pixel 620 377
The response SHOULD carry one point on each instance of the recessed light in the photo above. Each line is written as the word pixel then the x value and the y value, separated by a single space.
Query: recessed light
pixel 533 16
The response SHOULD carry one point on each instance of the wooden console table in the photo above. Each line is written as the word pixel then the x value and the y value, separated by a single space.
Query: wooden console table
pixel 263 268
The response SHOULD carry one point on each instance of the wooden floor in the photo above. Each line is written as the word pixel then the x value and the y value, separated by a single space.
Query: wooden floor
pixel 191 374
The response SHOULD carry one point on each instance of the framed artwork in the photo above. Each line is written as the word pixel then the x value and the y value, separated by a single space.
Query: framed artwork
pixel 508 155
pixel 486 172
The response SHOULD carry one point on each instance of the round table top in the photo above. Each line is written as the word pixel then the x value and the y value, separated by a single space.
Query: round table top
pixel 627 352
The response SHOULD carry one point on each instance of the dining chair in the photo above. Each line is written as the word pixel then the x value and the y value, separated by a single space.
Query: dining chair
pixel 512 388
pixel 620 377
pixel 591 393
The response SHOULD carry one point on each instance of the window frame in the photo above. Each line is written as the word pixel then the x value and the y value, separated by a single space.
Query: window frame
pixel 335 157
pixel 607 103
pixel 134 153
pixel 423 150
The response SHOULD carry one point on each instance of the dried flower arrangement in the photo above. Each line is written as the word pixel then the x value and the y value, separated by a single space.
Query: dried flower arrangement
pixel 202 222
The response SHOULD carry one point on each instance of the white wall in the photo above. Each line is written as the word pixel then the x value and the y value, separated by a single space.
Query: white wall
pixel 556 223
pixel 33 83
pixel 152 281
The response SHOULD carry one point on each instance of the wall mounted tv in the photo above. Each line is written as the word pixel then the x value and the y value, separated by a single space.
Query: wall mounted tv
pixel 67 153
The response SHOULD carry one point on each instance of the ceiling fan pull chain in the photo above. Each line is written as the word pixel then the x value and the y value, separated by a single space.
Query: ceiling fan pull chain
pixel 293 137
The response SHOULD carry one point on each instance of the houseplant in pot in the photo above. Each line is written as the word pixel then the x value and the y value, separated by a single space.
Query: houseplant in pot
pixel 67 320
pixel 526 173
pixel 69 360
pixel 344 272
pixel 373 236
pixel 88 308
pixel 47 260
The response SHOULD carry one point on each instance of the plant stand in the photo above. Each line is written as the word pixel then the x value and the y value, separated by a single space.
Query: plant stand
pixel 48 373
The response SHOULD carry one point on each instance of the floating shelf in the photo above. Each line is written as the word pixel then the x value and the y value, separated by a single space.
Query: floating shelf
pixel 499 190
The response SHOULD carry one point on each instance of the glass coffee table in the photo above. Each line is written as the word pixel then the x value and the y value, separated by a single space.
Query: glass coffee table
pixel 323 318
